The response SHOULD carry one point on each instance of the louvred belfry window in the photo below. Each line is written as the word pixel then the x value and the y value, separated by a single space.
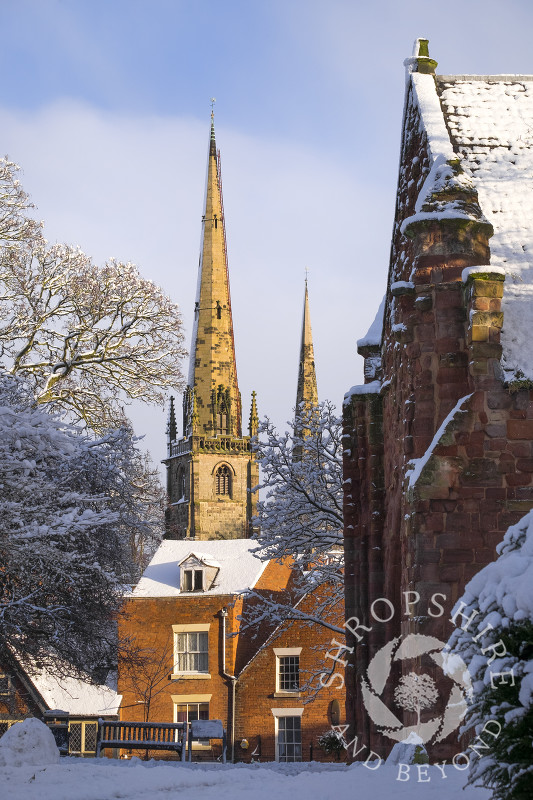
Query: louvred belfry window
pixel 223 480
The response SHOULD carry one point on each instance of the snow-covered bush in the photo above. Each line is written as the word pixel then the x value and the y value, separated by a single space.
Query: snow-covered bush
pixel 497 646
pixel 65 514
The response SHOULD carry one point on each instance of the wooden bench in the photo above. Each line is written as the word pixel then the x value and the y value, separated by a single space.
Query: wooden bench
pixel 142 736
pixel 207 729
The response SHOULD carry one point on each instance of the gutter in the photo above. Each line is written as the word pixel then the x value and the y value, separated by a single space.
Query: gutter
pixel 223 616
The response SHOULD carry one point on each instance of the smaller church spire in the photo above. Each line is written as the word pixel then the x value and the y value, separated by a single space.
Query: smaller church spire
pixel 253 425
pixel 307 392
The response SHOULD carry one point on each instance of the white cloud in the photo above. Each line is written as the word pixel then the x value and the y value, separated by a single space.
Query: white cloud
pixel 132 187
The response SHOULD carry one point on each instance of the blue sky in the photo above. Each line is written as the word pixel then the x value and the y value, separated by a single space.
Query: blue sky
pixel 105 105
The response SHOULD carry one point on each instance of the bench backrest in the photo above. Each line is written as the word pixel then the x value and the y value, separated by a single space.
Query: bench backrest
pixel 137 730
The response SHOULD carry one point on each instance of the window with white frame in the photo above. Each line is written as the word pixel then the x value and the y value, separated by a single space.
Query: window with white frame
pixel 287 669
pixel 188 712
pixel 188 708
pixel 289 673
pixel 191 650
pixel 288 738
pixel 192 580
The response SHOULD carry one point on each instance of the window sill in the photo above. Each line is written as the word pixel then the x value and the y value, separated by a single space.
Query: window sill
pixel 190 676
pixel 286 694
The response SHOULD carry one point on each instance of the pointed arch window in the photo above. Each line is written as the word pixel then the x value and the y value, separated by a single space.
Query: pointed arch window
pixel 223 481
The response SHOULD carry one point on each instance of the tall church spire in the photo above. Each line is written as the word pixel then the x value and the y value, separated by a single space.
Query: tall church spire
pixel 213 370
pixel 307 392
pixel 212 469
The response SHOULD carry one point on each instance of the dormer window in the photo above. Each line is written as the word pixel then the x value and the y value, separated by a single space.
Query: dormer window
pixel 197 572
pixel 193 580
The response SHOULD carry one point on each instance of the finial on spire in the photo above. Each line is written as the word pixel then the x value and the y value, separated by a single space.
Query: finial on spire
pixel 306 276
pixel 172 429
pixel 195 421
pixel 253 425
pixel 212 143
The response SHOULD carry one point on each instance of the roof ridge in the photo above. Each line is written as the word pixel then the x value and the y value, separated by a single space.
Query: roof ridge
pixel 506 77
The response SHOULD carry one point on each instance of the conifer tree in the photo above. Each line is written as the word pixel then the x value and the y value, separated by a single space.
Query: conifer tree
pixel 497 646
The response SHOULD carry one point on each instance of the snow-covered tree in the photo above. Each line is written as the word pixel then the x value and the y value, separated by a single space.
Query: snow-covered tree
pixel 85 336
pixel 64 554
pixel 300 518
pixel 494 637
pixel 15 224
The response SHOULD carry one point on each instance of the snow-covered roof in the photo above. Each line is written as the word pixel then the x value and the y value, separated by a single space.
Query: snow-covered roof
pixel 205 558
pixel 373 335
pixel 76 696
pixel 239 568
pixel 488 122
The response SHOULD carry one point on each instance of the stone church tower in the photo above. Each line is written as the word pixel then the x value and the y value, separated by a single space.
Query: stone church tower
pixel 211 469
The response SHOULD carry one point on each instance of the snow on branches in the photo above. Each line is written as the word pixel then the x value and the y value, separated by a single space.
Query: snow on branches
pixel 64 558
pixel 494 637
pixel 84 336
pixel 300 518
pixel 15 225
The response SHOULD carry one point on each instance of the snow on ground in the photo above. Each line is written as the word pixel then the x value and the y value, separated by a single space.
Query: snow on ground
pixel 30 769
pixel 106 779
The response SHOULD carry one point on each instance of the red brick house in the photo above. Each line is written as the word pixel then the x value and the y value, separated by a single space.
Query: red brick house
pixel 439 439
pixel 278 712
pixel 185 616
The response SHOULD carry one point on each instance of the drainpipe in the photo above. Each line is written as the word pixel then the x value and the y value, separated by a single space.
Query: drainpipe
pixel 232 678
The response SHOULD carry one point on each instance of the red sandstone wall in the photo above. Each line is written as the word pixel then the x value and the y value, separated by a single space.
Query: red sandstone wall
pixel 441 343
